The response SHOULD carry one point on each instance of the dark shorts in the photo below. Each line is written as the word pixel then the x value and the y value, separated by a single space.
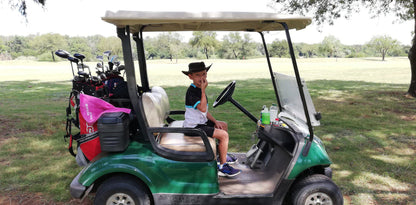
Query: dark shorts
pixel 208 128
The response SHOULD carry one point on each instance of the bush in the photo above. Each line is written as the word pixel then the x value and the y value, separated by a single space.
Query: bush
pixel 356 55
pixel 45 57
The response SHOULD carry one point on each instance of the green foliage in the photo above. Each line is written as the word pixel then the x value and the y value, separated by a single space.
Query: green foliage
pixel 79 45
pixel 48 56
pixel 234 46
pixel 204 40
pixel 171 46
pixel 383 45
pixel 307 50
pixel 279 49
pixel 332 46
pixel 327 11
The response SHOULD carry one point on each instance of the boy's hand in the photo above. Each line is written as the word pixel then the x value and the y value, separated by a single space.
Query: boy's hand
pixel 204 83
pixel 219 125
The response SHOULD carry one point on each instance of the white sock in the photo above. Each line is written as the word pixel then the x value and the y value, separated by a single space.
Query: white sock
pixel 221 166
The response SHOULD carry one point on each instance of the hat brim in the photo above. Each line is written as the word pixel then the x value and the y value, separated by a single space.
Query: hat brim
pixel 188 72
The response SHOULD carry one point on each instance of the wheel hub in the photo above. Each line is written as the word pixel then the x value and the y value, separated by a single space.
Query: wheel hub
pixel 318 199
pixel 120 199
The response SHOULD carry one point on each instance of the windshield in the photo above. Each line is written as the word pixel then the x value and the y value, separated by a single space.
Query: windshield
pixel 290 100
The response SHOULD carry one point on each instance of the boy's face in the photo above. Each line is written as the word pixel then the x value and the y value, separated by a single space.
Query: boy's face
pixel 198 77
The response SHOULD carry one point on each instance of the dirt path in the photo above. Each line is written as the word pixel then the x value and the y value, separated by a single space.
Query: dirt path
pixel 16 198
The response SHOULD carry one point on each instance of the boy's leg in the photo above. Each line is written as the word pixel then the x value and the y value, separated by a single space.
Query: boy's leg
pixel 223 139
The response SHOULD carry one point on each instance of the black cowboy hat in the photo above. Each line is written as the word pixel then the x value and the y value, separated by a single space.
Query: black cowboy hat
pixel 196 67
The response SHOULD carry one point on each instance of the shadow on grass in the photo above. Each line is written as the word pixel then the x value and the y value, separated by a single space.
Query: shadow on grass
pixel 369 131
pixel 370 141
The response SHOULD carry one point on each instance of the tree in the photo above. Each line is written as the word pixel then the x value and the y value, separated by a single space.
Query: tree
pixel 80 45
pixel 307 50
pixel 329 10
pixel 17 45
pixel 21 6
pixel 47 44
pixel 279 48
pixel 168 45
pixel 237 47
pixel 383 45
pixel 331 46
pixel 112 44
pixel 204 40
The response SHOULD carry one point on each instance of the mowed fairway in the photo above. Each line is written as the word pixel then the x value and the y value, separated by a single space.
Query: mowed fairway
pixel 168 73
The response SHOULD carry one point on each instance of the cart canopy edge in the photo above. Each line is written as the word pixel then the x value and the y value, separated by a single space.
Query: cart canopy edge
pixel 204 21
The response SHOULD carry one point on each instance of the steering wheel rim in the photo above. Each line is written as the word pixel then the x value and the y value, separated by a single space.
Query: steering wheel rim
pixel 225 95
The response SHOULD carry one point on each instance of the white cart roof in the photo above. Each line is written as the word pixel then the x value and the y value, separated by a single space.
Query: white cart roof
pixel 203 21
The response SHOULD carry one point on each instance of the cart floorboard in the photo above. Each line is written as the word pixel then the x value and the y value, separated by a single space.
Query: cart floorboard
pixel 250 181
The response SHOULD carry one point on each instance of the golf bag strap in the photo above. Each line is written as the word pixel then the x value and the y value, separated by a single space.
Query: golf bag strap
pixel 86 137
pixel 69 121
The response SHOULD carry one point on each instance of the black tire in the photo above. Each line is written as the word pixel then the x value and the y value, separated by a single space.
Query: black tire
pixel 121 190
pixel 316 189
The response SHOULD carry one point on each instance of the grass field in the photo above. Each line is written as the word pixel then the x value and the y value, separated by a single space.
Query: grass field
pixel 393 70
pixel 368 126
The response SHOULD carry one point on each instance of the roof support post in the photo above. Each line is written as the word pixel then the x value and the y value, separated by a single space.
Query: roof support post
pixel 271 70
pixel 138 38
pixel 124 35
pixel 300 86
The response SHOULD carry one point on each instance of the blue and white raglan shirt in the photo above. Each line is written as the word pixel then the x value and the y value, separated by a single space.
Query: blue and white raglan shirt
pixel 193 116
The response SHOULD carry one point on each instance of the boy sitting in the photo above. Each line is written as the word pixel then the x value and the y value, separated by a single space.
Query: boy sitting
pixel 197 116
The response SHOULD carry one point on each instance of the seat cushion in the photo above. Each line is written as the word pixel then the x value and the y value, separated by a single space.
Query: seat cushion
pixel 181 142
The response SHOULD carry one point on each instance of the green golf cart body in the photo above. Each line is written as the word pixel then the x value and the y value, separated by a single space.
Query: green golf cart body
pixel 162 165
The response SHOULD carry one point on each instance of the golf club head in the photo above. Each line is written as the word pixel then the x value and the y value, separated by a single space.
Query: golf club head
pixel 82 73
pixel 113 58
pixel 110 65
pixel 72 59
pixel 107 53
pixel 103 76
pixel 62 53
pixel 100 58
pixel 95 79
pixel 99 65
pixel 121 67
pixel 79 56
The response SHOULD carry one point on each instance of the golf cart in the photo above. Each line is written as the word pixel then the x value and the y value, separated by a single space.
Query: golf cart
pixel 163 165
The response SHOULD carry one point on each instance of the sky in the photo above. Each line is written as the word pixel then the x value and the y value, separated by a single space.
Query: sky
pixel 83 18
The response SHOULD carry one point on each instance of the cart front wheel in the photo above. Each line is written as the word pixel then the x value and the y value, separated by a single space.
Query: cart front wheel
pixel 121 190
pixel 316 189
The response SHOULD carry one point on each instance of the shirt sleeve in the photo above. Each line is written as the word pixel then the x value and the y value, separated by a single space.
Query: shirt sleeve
pixel 193 98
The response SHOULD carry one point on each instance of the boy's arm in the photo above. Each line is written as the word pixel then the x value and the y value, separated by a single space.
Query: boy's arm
pixel 210 117
pixel 202 106
pixel 218 124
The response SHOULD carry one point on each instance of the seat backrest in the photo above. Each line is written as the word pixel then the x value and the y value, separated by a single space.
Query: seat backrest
pixel 156 106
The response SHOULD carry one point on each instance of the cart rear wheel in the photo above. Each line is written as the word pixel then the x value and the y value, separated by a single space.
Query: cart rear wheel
pixel 121 190
pixel 316 190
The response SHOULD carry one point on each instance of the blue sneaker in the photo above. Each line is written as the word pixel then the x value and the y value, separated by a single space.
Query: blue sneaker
pixel 231 159
pixel 228 171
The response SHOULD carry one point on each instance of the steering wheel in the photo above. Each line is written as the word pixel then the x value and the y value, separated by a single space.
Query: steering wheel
pixel 225 95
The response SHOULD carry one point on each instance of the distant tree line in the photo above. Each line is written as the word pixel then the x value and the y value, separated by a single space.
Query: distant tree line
pixel 234 45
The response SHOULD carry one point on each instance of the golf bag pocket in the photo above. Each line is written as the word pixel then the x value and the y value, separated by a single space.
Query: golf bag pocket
pixel 90 145
pixel 88 140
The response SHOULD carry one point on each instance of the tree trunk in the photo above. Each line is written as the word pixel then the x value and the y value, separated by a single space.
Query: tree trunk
pixel 206 53
pixel 412 59
pixel 53 56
